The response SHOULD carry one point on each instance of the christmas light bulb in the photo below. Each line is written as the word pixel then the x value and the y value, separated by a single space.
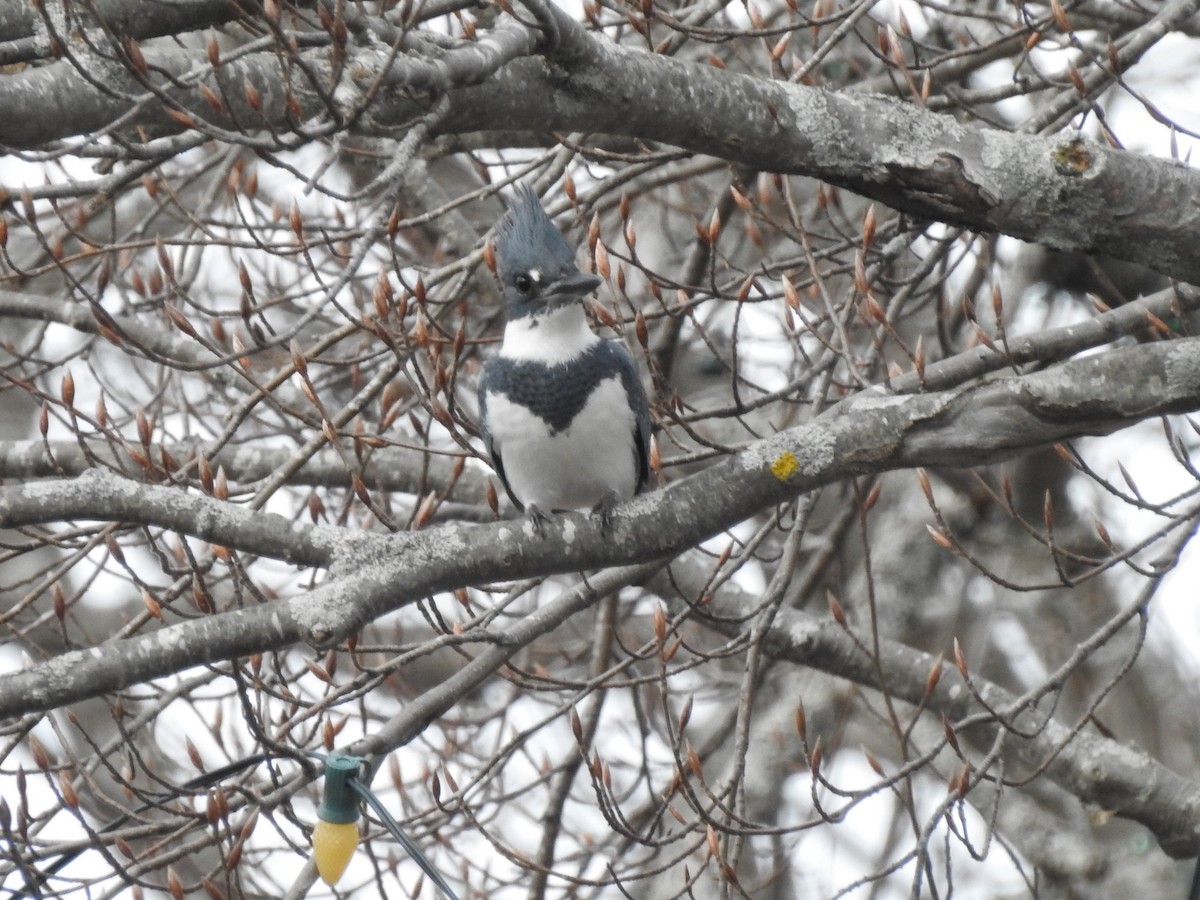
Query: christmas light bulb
pixel 335 835
pixel 333 845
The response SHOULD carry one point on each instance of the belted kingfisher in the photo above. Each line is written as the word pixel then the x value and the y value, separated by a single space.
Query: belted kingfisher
pixel 563 411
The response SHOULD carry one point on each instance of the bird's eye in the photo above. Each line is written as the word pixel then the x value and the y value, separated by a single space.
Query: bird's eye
pixel 523 283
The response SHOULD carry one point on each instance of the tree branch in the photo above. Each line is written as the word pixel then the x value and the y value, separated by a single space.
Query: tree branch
pixel 397 469
pixel 100 495
pixel 872 432
pixel 1095 769
pixel 1062 192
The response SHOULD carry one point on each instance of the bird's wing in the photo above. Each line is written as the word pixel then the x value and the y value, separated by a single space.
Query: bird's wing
pixel 486 383
pixel 632 380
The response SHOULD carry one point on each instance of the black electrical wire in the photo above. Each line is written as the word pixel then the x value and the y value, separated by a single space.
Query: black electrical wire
pixel 402 839
pixel 41 876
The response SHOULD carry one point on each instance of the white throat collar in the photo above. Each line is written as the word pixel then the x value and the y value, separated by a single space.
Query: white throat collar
pixel 551 338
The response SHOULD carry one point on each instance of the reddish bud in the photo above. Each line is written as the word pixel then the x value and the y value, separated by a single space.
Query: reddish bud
pixel 940 538
pixel 136 59
pixel 1060 16
pixel 685 714
pixel 67 390
pixel 184 119
pixel 602 265
pixel 252 95
pixel 210 97
pixel 194 754
pixel 960 659
pixel 835 609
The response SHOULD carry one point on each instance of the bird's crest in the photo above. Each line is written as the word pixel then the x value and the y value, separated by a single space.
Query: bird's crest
pixel 526 238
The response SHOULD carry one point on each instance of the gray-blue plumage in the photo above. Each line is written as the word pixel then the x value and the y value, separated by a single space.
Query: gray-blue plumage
pixel 563 412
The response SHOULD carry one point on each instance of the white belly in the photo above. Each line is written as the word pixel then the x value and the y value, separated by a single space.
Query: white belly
pixel 574 468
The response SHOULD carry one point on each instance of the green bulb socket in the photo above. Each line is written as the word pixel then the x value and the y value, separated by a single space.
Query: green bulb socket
pixel 339 804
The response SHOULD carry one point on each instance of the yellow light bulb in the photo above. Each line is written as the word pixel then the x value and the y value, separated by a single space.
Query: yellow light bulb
pixel 333 845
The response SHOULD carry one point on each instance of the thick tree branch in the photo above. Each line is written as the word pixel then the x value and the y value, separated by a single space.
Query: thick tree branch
pixel 253 183
pixel 100 495
pixel 1061 192
pixel 872 432
pixel 139 20
pixel 1096 769
pixel 407 471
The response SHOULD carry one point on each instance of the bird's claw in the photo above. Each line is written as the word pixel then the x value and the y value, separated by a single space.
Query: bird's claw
pixel 604 509
pixel 537 519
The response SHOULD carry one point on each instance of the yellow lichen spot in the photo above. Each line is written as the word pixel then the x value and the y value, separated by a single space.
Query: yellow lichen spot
pixel 1071 157
pixel 785 465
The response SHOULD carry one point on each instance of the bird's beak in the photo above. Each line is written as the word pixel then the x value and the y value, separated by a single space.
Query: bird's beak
pixel 572 286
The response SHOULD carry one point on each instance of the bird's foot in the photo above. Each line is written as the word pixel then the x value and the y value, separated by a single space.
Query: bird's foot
pixel 537 519
pixel 604 509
